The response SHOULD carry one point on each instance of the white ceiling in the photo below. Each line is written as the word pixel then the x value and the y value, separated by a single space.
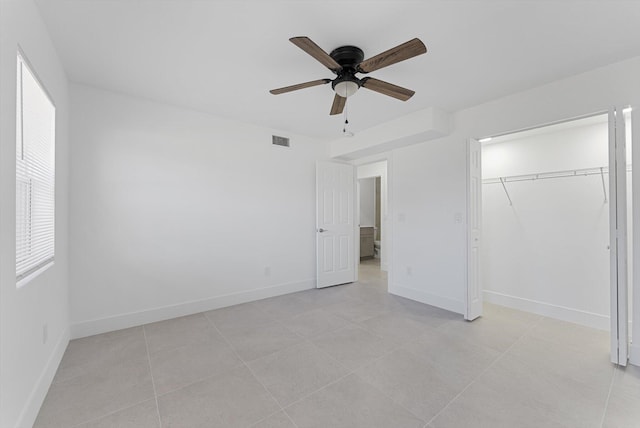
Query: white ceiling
pixel 223 56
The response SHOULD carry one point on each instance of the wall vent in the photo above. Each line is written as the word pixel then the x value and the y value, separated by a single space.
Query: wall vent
pixel 280 141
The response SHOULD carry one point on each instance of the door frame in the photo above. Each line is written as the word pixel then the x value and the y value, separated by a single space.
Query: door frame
pixel 618 225
pixel 385 222
pixel 634 347
pixel 474 300
pixel 468 267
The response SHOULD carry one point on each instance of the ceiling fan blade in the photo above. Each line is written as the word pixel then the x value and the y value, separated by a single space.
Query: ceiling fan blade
pixel 385 88
pixel 401 52
pixel 299 86
pixel 308 45
pixel 338 105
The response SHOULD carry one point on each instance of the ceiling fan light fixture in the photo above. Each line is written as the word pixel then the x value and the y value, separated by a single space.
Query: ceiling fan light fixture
pixel 346 88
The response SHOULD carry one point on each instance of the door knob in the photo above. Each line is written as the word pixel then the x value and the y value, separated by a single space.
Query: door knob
pixel 322 230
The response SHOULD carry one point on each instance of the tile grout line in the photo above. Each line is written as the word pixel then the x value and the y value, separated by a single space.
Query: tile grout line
pixel 383 392
pixel 191 383
pixel 323 352
pixel 500 357
pixel 357 324
pixel 398 346
pixel 272 414
pixel 606 403
pixel 110 413
pixel 350 372
pixel 282 323
pixel 240 364
pixel 120 409
pixel 153 383
pixel 250 371
pixel 290 418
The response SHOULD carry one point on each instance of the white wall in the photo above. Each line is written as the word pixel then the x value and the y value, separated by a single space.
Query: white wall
pixel 176 212
pixel 429 247
pixel 367 202
pixel 583 143
pixel 27 365
pixel 547 253
pixel 429 180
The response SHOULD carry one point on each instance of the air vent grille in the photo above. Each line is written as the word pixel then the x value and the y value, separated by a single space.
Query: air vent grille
pixel 280 141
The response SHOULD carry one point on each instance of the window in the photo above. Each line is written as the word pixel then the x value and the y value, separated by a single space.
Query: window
pixel 35 176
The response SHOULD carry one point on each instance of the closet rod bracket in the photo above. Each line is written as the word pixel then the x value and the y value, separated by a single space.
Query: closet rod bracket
pixel 604 187
pixel 504 186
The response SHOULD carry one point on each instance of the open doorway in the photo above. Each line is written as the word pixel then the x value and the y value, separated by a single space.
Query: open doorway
pixel 372 212
pixel 552 236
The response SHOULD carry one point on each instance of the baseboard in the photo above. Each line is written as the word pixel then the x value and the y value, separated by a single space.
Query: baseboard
pixel 634 354
pixel 427 298
pixel 118 322
pixel 30 411
pixel 576 316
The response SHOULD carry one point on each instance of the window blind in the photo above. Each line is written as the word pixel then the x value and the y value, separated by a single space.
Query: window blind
pixel 35 174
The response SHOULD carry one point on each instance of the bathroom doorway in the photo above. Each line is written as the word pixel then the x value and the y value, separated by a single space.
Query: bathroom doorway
pixel 372 214
pixel 369 191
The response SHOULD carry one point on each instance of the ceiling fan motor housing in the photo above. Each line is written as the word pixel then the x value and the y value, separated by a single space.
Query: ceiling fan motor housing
pixel 346 84
pixel 348 56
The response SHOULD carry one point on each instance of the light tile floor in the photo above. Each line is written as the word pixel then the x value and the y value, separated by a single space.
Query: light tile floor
pixel 347 356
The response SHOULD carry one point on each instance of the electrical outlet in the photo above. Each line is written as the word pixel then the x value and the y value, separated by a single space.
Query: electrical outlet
pixel 457 218
pixel 409 271
pixel 45 333
pixel 402 217
pixel 267 271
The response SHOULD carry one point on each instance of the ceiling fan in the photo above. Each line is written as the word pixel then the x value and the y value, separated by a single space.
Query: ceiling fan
pixel 347 61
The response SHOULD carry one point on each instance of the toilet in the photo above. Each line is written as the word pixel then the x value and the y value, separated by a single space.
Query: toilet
pixel 376 249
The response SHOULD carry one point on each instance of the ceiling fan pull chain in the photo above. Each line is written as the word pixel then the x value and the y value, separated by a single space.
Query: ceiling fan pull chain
pixel 346 120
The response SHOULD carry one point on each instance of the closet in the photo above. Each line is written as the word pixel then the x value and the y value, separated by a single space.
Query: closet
pixel 545 221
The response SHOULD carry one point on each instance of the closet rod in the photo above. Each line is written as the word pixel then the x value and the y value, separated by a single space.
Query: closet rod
pixel 548 175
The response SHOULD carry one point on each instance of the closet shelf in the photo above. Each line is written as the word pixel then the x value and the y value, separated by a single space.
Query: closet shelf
pixel 601 171
pixel 549 175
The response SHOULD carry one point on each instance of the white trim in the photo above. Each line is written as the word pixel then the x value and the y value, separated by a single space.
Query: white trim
pixel 488 138
pixel 576 316
pixel 132 319
pixel 25 60
pixel 32 407
pixel 356 223
pixel 634 349
pixel 473 279
pixel 388 243
pixel 427 298
pixel 35 273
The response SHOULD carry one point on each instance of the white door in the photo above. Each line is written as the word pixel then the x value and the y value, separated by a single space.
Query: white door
pixel 474 228
pixel 618 236
pixel 335 223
